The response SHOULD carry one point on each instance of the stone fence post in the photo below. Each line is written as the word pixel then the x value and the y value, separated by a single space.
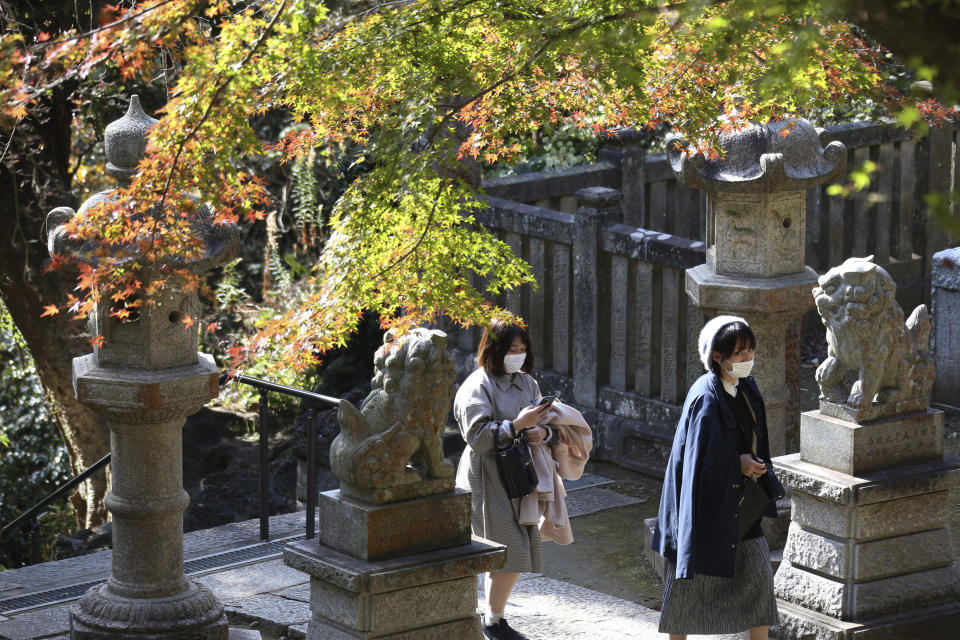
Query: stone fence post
pixel 623 149
pixel 945 313
pixel 595 206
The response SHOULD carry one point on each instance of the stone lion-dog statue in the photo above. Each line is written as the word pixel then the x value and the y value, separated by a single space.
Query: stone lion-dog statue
pixel 866 333
pixel 399 425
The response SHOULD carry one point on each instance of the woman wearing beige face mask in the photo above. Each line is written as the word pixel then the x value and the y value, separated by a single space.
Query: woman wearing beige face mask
pixel 718 581
pixel 495 402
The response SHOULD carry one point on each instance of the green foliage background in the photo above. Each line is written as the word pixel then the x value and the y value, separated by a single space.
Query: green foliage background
pixel 33 460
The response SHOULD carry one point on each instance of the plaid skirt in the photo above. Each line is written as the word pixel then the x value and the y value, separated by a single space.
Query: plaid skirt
pixel 713 605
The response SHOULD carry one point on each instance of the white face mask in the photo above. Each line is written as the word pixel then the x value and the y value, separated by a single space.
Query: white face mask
pixel 740 369
pixel 513 361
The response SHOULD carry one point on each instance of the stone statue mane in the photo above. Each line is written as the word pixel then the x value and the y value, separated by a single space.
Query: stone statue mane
pixel 866 333
pixel 399 425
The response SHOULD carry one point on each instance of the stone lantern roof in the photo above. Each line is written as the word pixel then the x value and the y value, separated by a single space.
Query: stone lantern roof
pixel 777 156
pixel 126 142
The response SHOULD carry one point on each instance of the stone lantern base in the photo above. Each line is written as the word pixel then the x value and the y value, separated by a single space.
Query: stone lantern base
pixel 427 594
pixel 868 556
pixel 192 614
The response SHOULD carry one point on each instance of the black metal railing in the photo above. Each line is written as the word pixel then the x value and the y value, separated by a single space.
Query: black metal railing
pixel 264 387
pixel 30 516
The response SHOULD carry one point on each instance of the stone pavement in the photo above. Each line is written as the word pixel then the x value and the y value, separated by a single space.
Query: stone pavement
pixel 267 595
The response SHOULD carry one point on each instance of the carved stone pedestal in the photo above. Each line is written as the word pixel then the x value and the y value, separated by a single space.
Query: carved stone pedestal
pixel 422 584
pixel 869 553
pixel 143 378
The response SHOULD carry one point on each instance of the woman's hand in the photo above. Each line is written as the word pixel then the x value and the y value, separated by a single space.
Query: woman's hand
pixel 751 467
pixel 535 435
pixel 530 416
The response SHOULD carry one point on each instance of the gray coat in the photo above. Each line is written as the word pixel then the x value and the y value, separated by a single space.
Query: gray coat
pixel 485 407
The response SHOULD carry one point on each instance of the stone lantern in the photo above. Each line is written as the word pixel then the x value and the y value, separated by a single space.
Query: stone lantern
pixel 755 237
pixel 144 378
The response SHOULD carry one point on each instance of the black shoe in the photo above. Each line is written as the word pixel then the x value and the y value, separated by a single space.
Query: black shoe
pixel 501 631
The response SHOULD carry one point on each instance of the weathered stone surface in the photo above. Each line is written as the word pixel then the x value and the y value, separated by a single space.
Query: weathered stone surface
pixel 876 520
pixel 244 634
pixel 866 333
pixel 395 611
pixel 191 613
pixel 415 596
pixel 591 500
pixel 37 624
pixel 865 561
pixel 946 269
pixel 146 395
pixel 400 422
pixel 377 532
pixel 813 591
pixel 931 623
pixel 945 311
pixel 399 492
pixel 854 448
pixel 250 580
pixel 353 574
pixel 728 293
pixel 770 158
pixel 804 624
pixel 466 628
pixel 906 593
pixel 876 411
pixel 879 486
pixel 271 613
pixel 867 600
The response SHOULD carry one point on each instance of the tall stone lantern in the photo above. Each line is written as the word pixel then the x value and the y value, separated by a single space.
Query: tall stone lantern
pixel 144 378
pixel 755 237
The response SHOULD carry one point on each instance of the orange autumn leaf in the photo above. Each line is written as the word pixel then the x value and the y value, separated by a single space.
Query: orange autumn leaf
pixel 50 310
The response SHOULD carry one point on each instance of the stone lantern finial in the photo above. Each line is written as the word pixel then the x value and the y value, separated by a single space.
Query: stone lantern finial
pixel 126 141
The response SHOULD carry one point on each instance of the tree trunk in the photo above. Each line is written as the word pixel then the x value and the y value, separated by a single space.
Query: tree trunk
pixel 35 178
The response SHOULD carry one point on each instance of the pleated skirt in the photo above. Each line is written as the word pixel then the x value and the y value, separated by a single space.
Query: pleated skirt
pixel 713 605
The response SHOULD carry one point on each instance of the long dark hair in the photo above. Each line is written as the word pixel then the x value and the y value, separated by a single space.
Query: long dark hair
pixel 495 343
pixel 731 338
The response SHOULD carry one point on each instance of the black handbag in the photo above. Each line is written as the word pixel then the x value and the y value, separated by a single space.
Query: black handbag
pixel 516 467
pixel 755 495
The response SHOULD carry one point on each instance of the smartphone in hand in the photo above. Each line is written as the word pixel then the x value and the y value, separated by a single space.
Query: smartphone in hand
pixel 546 400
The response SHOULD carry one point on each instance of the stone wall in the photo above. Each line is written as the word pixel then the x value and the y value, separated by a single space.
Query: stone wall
pixel 611 324
pixel 892 225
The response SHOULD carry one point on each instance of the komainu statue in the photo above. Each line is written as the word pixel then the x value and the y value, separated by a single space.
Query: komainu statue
pixel 399 426
pixel 866 334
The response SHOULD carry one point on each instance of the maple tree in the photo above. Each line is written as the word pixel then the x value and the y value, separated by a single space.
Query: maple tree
pixel 426 89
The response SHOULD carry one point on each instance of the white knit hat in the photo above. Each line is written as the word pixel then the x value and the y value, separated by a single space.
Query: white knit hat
pixel 709 333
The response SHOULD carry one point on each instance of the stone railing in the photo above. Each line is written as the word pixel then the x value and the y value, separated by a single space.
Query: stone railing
pixel 611 324
pixel 891 224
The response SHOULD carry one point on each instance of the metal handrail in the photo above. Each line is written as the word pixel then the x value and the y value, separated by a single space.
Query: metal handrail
pixel 264 386
pixel 30 514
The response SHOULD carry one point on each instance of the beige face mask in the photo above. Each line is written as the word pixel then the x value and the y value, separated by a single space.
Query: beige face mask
pixel 740 369
pixel 513 361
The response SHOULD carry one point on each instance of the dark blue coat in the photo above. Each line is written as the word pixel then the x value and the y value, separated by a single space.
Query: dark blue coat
pixel 697 525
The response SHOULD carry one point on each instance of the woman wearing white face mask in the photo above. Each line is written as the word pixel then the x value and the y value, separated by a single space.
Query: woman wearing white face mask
pixel 494 402
pixel 716 582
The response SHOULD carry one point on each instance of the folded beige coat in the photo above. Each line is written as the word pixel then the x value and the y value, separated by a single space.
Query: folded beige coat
pixel 565 458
